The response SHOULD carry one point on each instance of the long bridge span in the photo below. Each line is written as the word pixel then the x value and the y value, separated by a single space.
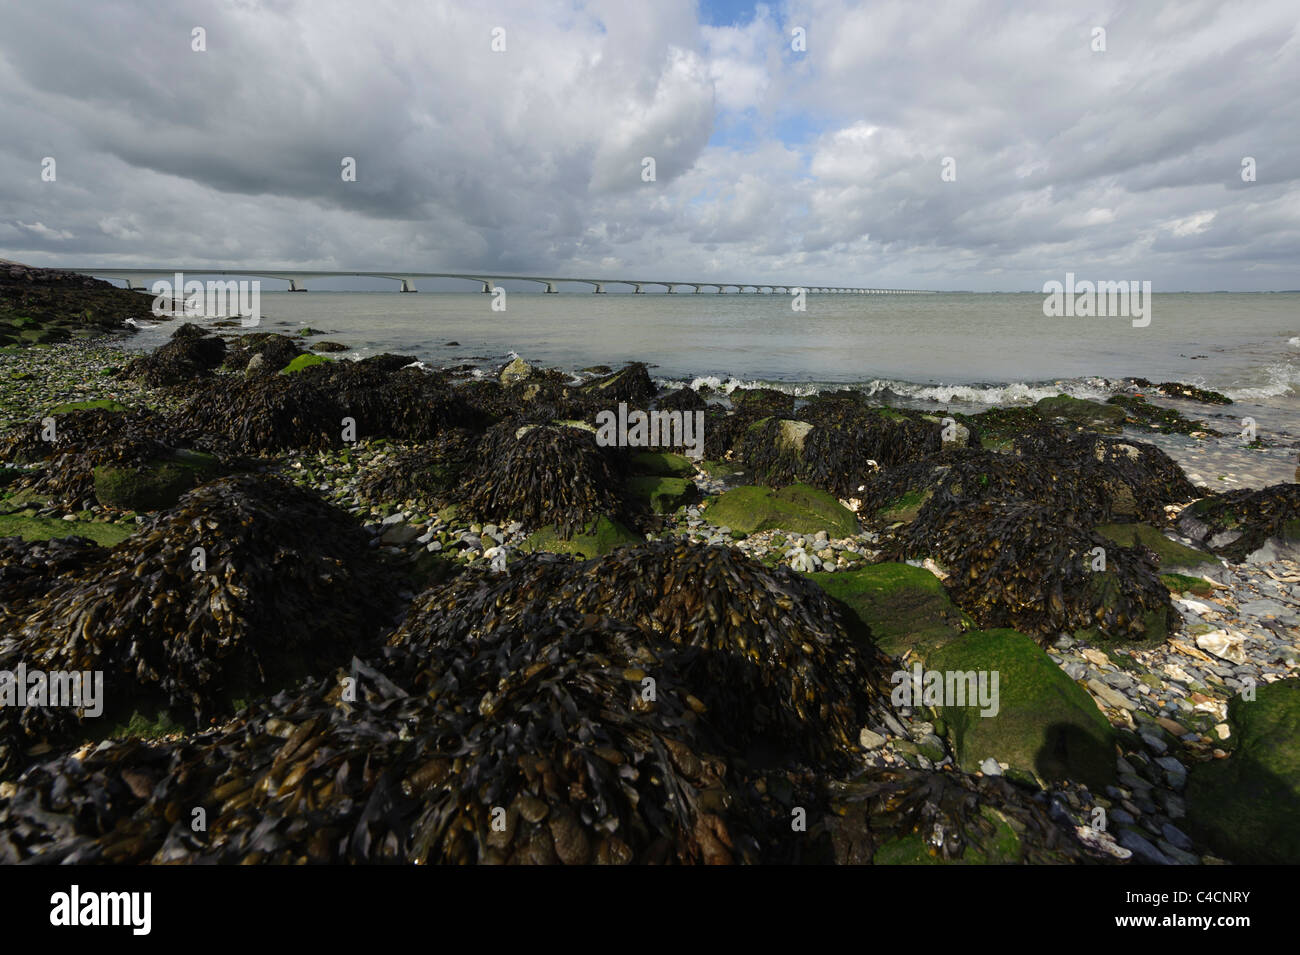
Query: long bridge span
pixel 298 278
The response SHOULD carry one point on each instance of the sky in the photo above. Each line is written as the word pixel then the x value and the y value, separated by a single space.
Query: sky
pixel 987 146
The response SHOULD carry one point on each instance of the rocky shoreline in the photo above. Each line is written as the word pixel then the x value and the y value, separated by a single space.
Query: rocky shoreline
pixel 377 607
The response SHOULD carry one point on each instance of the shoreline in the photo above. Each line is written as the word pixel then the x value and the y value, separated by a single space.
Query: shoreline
pixel 1161 700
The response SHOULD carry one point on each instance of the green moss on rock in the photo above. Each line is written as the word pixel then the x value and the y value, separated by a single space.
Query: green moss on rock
pixel 1171 553
pixel 662 464
pixel 663 495
pixel 304 361
pixel 48 528
pixel 1181 584
pixel 599 538
pixel 899 605
pixel 905 508
pixel 1045 724
pixel 797 508
pixel 1245 806
pixel 155 485
pixel 1082 413
pixel 103 404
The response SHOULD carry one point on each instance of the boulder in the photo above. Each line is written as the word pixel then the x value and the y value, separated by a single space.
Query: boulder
pixel 1046 725
pixel 1081 413
pixel 899 606
pixel 1245 806
pixel 798 508
pixel 597 539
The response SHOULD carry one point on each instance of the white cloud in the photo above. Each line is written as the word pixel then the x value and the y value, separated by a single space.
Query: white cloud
pixel 531 158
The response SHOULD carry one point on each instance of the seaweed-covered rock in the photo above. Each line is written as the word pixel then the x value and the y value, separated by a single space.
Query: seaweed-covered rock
pixel 661 464
pixel 1081 413
pixel 565 746
pixel 542 475
pixel 306 410
pixel 284 581
pixel 1042 723
pixel 88 445
pixel 190 353
pixel 1245 805
pixel 276 352
pixel 779 665
pixel 1038 569
pixel 909 817
pixel 766 401
pixel 681 399
pixel 558 757
pixel 1236 524
pixel 426 473
pixel 837 449
pixel 631 384
pixel 1117 480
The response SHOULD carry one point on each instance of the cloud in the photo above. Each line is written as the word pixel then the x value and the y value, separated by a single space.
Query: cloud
pixel 822 165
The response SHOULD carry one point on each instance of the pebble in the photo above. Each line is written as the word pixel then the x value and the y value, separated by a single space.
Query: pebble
pixel 1176 836
pixel 870 740
pixel 1142 849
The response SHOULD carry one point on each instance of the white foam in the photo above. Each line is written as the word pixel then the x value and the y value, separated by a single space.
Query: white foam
pixel 1282 378
pixel 990 394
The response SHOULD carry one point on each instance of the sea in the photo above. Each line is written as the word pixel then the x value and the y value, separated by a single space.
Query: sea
pixel 956 351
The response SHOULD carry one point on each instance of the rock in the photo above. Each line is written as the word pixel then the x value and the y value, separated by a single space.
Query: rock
pixel 1176 836
pixel 1154 743
pixel 304 361
pixel 1046 724
pixel 895 605
pixel 400 534
pixel 1142 849
pixel 517 370
pixel 1245 806
pixel 152 486
pixel 870 740
pixel 990 767
pixel 1110 697
pixel 1171 553
pixel 662 495
pixel 798 508
pixel 597 539
pixel 255 365
pixel 1224 645
pixel 662 464
pixel 1082 413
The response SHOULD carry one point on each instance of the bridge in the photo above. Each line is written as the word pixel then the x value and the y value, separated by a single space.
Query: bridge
pixel 297 279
